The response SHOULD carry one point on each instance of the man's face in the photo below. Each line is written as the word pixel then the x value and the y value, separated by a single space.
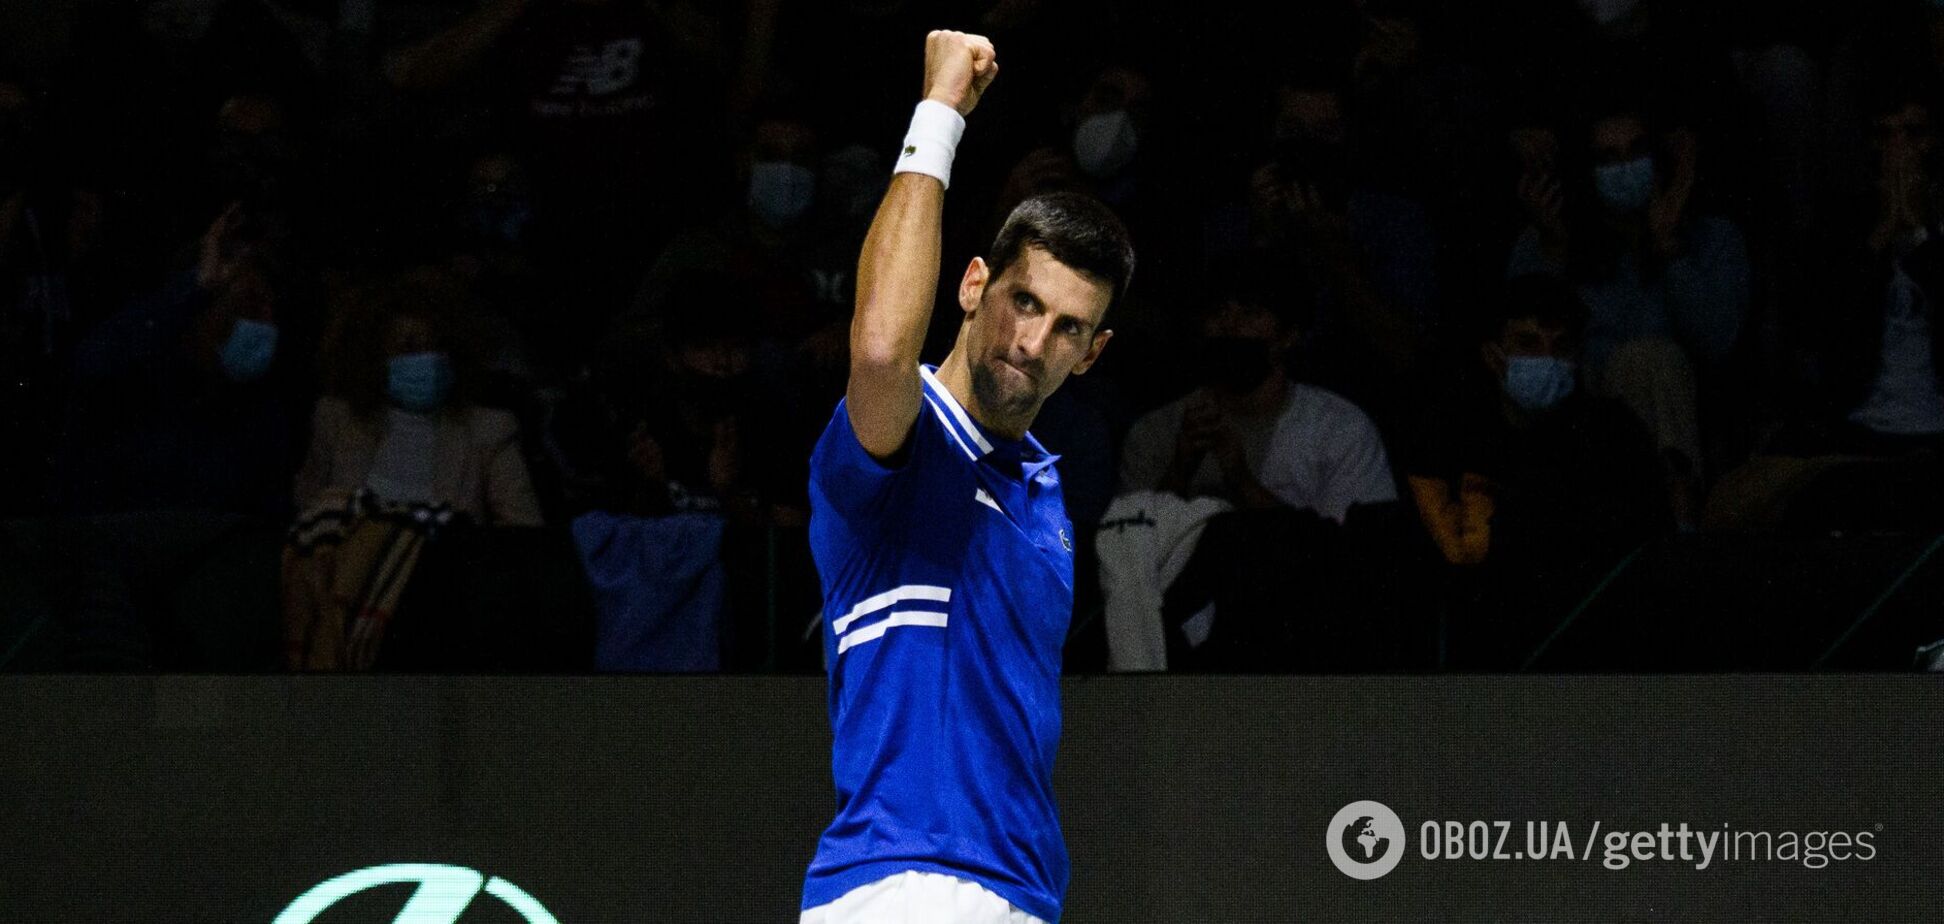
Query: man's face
pixel 1906 131
pixel 1529 337
pixel 1241 344
pixel 1618 139
pixel 247 294
pixel 784 141
pixel 1029 329
pixel 1312 115
pixel 407 334
pixel 1119 88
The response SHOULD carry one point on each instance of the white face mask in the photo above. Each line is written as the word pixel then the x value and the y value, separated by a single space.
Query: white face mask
pixel 780 192
pixel 1104 144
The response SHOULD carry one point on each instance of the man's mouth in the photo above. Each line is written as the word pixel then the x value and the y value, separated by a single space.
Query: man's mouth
pixel 1028 376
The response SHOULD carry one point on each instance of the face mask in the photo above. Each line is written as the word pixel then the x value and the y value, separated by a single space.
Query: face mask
pixel 419 381
pixel 248 351
pixel 1536 383
pixel 1626 187
pixel 780 192
pixel 1235 364
pixel 1104 144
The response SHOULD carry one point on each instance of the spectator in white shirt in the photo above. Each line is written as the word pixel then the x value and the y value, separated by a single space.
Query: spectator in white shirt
pixel 1247 433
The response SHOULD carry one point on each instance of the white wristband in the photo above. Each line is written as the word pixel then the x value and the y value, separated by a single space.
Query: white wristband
pixel 931 141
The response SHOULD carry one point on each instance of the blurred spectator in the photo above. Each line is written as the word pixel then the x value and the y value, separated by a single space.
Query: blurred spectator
pixel 1369 254
pixel 1527 480
pixel 1118 144
pixel 185 399
pixel 254 152
pixel 703 433
pixel 792 234
pixel 1882 389
pixel 1668 289
pixel 1249 435
pixel 490 256
pixel 398 418
pixel 698 434
pixel 1422 127
pixel 1290 516
pixel 790 240
pixel 613 104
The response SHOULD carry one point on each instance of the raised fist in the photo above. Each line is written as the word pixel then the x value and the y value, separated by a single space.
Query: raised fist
pixel 958 68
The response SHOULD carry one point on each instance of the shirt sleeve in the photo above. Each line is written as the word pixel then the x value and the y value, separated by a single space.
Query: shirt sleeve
pixel 853 482
pixel 510 497
pixel 1358 471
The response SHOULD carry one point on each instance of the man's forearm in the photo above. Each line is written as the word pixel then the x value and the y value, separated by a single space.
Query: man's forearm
pixel 897 273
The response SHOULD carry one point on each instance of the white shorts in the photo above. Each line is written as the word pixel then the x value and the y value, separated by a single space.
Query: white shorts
pixel 914 897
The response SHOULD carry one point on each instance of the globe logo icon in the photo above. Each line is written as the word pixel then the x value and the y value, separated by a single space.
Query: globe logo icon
pixel 1365 839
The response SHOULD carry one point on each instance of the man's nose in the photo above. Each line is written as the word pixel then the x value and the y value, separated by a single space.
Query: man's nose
pixel 1031 341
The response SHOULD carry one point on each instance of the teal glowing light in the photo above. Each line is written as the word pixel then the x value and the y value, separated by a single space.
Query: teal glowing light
pixel 443 894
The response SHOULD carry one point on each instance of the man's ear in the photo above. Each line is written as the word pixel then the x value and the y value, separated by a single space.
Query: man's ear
pixel 972 286
pixel 1100 339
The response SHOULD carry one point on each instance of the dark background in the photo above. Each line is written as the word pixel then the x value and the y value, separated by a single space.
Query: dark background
pixel 192 799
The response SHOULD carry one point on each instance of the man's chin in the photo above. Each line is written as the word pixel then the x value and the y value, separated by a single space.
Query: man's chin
pixel 1007 389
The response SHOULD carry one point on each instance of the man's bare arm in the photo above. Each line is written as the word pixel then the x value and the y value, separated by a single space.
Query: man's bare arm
pixel 897 273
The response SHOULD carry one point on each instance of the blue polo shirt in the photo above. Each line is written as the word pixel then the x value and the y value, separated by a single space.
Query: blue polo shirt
pixel 947 587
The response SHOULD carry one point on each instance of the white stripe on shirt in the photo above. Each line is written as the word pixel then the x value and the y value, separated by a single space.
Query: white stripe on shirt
pixel 900 618
pixel 877 602
pixel 950 429
pixel 958 412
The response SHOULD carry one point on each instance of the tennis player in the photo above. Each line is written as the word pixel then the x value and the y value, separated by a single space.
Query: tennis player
pixel 942 541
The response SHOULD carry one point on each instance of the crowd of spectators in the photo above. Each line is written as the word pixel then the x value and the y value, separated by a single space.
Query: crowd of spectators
pixel 1444 310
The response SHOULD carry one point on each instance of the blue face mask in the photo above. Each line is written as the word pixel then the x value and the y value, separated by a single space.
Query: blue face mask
pixel 248 351
pixel 1626 187
pixel 780 192
pixel 419 381
pixel 1537 383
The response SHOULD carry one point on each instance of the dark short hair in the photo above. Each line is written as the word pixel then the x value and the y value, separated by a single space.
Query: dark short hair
pixel 1075 229
pixel 1541 297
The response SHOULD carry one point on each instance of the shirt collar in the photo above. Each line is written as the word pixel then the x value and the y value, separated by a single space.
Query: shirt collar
pixel 980 443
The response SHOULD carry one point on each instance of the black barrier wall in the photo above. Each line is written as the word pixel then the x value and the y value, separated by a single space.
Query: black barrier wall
pixel 1185 799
